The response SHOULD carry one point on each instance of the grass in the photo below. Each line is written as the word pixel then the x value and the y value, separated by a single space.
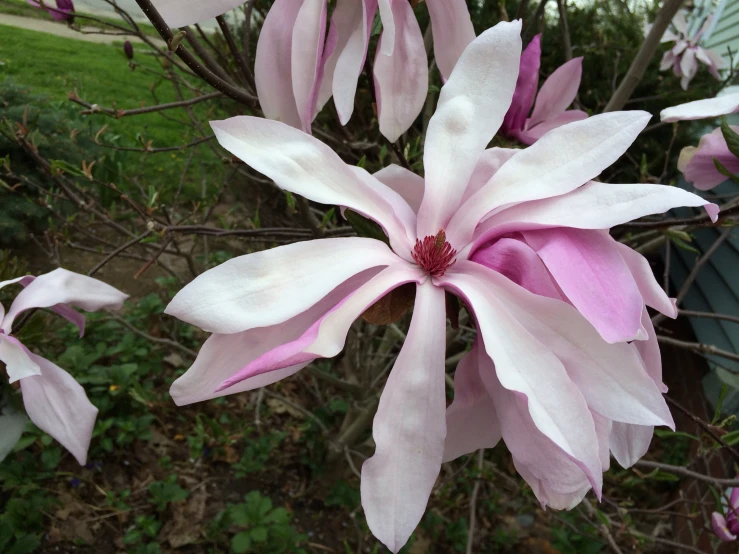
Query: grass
pixel 24 9
pixel 54 66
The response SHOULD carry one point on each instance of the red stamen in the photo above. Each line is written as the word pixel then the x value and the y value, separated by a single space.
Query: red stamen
pixel 434 254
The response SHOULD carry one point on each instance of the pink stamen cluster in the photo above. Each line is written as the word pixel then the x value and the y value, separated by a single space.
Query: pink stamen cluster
pixel 434 254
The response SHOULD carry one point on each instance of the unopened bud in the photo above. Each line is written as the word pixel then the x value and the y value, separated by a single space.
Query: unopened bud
pixel 128 49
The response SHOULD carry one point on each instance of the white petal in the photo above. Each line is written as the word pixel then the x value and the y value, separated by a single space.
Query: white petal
pixel 12 424
pixel 178 13
pixel 630 442
pixel 470 110
pixel 406 183
pixel 272 286
pixel 17 360
pixel 301 164
pixel 702 109
pixel 471 421
pixel 559 162
pixel 409 427
pixel 58 405
pixel 64 287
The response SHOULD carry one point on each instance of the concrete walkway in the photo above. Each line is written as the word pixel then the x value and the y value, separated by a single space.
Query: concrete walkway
pixel 60 30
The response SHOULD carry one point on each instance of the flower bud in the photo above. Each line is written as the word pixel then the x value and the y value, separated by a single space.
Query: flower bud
pixel 128 49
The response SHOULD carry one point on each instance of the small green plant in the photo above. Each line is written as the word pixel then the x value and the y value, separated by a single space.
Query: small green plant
pixel 164 492
pixel 257 453
pixel 259 527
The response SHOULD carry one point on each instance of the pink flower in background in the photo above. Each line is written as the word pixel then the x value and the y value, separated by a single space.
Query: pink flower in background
pixel 555 96
pixel 683 58
pixel 64 10
pixel 555 298
pixel 726 525
pixel 697 164
pixel 54 401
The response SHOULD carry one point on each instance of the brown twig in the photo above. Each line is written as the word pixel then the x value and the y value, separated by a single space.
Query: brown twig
pixel 708 428
pixel 240 60
pixel 117 251
pixel 94 108
pixel 725 317
pixel 678 470
pixel 699 347
pixel 473 502
pixel 566 45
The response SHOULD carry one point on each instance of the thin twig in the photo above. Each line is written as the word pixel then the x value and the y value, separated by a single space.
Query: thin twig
pixel 473 502
pixel 678 470
pixel 158 340
pixel 725 317
pixel 709 429
pixel 117 251
pixel 602 527
pixel 94 108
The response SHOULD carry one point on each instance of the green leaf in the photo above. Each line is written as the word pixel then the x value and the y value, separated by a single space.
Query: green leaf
pixel 731 137
pixel 278 516
pixel 365 227
pixel 723 171
pixel 259 534
pixel 25 545
pixel 241 542
pixel 665 434
pixel 65 167
pixel 376 27
pixel 732 438
pixel 290 202
pixel 684 245
pixel 720 402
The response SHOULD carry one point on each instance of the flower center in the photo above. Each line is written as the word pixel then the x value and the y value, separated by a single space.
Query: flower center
pixel 434 254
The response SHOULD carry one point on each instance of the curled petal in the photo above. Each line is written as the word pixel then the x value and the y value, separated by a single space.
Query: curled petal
pixel 272 286
pixel 588 268
pixel 326 337
pixel 700 169
pixel 178 13
pixel 273 63
pixel 702 109
pixel 470 110
pixel 452 27
pixel 719 526
pixel 17 360
pixel 409 428
pixel 222 355
pixel 401 79
pixel 547 169
pixel 64 287
pixel 526 86
pixel 304 165
pixel 557 92
pixel 471 420
pixel 653 294
pixel 406 183
pixel 58 405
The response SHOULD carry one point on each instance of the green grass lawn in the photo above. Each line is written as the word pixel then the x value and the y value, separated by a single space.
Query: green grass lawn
pixel 53 66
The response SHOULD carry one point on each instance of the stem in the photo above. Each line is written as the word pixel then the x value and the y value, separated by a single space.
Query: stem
pixel 644 56
pixel 566 45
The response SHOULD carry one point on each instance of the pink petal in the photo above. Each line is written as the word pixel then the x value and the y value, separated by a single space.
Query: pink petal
pixel 328 61
pixel 531 134
pixel 649 352
pixel 307 56
pixel 223 355
pixel 530 372
pixel 352 20
pixel 526 86
pixel 517 261
pixel 557 92
pixel 630 442
pixel 272 286
pixel 70 314
pixel 326 337
pixel 470 110
pixel 17 360
pixel 688 67
pixel 702 109
pixel 273 63
pixel 58 405
pixel 304 165
pixel 401 79
pixel 409 427
pixel 588 268
pixel 387 17
pixel 471 421
pixel 668 60
pixel 64 287
pixel 178 13
pixel 549 168
pixel 406 183
pixel 592 206
pixel 680 23
pixel 452 28
pixel 13 424
pixel 489 163
pixel 718 523
pixel 653 294
pixel 701 170
pixel 556 479
pixel 610 377
pixel 603 427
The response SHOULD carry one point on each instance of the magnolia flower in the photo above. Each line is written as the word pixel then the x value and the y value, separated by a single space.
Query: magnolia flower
pixel 519 235
pixel 683 58
pixel 297 71
pixel 556 94
pixel 54 401
pixel 726 525
pixel 64 10
pixel 697 164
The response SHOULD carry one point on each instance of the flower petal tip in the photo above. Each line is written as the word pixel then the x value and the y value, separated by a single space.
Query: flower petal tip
pixel 713 211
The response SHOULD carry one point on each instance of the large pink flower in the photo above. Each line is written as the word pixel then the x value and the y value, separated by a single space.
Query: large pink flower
pixel 697 164
pixel 555 96
pixel 54 401
pixel 683 58
pixel 520 235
